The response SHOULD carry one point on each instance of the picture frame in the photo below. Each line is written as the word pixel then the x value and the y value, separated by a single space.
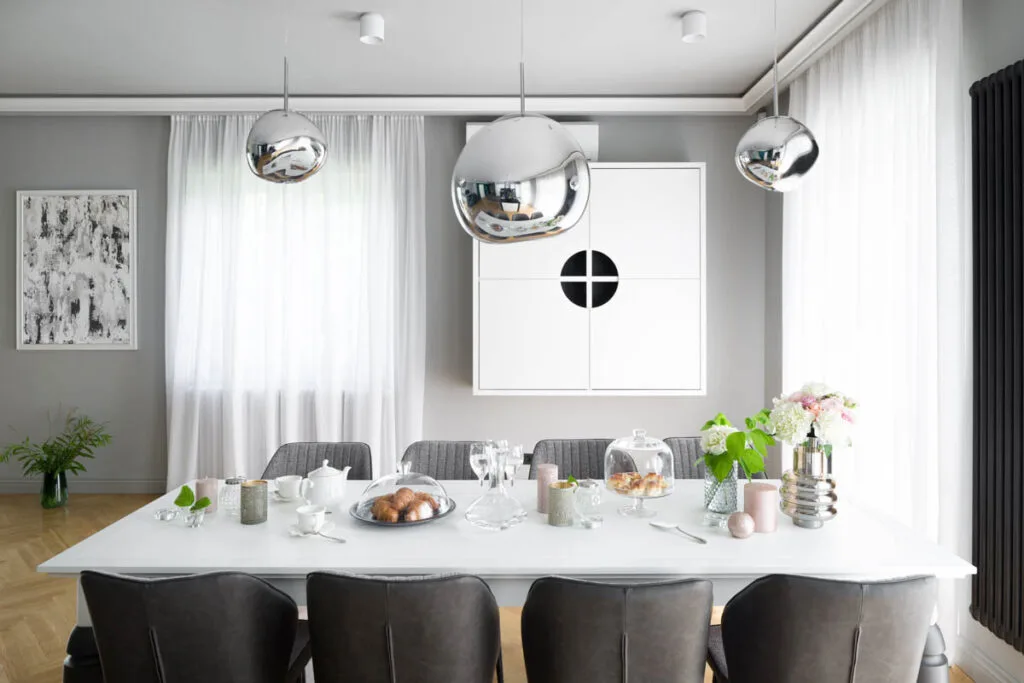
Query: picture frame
pixel 77 270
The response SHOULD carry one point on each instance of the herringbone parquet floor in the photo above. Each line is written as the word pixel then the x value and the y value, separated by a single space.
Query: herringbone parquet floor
pixel 38 611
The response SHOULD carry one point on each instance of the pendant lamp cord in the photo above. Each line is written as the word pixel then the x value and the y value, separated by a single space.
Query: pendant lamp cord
pixel 287 30
pixel 775 63
pixel 522 59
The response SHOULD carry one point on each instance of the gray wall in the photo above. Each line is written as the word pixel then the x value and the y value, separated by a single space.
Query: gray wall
pixel 125 388
pixel 736 300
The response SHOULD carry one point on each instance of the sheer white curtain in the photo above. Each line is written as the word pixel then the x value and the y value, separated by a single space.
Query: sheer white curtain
pixel 876 252
pixel 293 312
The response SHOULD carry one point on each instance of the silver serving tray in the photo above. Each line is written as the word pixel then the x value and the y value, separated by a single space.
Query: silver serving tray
pixel 362 513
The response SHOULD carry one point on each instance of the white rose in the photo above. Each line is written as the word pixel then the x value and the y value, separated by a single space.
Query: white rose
pixel 790 422
pixel 712 440
pixel 831 428
pixel 816 389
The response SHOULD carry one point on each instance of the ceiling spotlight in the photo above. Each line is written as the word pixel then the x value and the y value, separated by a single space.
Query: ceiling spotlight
pixel 371 28
pixel 695 27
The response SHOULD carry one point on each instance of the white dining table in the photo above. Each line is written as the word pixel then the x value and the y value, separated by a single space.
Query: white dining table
pixel 855 545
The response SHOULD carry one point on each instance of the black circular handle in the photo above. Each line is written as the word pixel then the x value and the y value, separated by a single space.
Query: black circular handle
pixel 602 291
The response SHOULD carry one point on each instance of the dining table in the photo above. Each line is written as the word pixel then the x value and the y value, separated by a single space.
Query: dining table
pixel 857 544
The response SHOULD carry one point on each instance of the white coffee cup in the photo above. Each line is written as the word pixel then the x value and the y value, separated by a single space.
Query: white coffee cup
pixel 311 518
pixel 288 486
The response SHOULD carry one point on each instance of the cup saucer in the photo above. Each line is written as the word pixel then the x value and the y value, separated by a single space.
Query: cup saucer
pixel 280 498
pixel 293 529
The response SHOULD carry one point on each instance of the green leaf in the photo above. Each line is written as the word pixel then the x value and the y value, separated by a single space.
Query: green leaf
pixel 750 422
pixel 735 443
pixel 760 441
pixel 751 462
pixel 707 425
pixel 571 479
pixel 719 465
pixel 186 497
pixel 203 502
pixel 722 420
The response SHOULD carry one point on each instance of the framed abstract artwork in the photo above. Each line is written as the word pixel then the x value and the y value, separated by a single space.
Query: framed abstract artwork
pixel 76 270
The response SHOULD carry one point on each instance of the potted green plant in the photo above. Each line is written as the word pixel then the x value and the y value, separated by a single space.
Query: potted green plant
pixel 58 455
pixel 726 452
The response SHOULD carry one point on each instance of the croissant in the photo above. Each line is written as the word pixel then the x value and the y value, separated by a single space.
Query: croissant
pixel 418 511
pixel 381 506
pixel 403 497
pixel 422 496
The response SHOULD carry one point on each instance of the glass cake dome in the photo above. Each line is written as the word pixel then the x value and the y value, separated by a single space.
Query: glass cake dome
pixel 639 467
pixel 402 499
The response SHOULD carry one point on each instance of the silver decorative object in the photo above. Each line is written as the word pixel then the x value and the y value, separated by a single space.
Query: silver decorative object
pixel 520 178
pixel 777 151
pixel 808 492
pixel 284 146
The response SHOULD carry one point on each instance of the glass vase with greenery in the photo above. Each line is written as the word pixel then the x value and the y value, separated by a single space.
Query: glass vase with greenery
pixel 726 452
pixel 58 455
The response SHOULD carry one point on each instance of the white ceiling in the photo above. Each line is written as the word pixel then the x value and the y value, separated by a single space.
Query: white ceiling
pixel 433 47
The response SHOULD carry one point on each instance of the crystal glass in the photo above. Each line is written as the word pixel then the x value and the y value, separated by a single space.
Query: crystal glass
pixel 587 500
pixel 496 509
pixel 231 495
pixel 639 467
pixel 403 498
pixel 720 497
pixel 195 519
pixel 479 457
pixel 513 460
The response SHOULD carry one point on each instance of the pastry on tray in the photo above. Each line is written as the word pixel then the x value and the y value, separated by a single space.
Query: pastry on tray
pixel 404 505
pixel 636 484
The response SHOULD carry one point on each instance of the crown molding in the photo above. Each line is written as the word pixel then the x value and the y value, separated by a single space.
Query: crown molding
pixel 463 106
pixel 844 16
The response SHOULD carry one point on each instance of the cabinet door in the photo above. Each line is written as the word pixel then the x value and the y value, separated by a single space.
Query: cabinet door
pixel 531 336
pixel 648 337
pixel 544 257
pixel 647 220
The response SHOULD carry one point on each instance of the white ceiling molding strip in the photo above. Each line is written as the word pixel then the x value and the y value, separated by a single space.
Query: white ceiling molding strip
pixel 843 18
pixel 162 106
pixel 833 27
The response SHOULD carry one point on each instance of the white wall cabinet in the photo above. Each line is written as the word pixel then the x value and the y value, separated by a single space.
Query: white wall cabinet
pixel 615 306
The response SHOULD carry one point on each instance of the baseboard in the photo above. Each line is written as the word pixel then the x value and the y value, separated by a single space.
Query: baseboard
pixel 88 486
pixel 979 666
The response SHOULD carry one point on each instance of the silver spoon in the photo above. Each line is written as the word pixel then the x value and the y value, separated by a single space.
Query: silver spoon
pixel 297 532
pixel 668 526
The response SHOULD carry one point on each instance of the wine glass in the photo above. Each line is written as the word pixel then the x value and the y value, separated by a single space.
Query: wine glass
pixel 479 455
pixel 513 460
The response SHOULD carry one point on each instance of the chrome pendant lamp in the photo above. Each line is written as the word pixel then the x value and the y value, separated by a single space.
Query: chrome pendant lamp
pixel 523 177
pixel 284 146
pixel 777 151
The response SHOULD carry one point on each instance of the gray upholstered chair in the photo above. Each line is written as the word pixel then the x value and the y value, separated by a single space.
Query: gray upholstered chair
pixel 582 458
pixel 440 459
pixel 303 457
pixel 794 629
pixel 224 626
pixel 583 632
pixel 441 629
pixel 685 453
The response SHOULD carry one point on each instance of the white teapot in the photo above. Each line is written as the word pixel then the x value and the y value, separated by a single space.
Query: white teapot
pixel 324 486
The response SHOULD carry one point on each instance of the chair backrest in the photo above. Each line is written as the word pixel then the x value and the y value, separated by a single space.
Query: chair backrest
pixel 406 630
pixel 303 457
pixel 206 627
pixel 440 459
pixel 794 629
pixel 685 452
pixel 582 458
pixel 583 632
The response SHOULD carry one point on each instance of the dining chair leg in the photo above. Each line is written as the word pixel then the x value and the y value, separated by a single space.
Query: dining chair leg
pixel 934 664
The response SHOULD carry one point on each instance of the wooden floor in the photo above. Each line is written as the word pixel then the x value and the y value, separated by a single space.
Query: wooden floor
pixel 37 611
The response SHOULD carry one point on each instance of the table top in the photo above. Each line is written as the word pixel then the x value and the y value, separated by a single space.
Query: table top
pixel 855 545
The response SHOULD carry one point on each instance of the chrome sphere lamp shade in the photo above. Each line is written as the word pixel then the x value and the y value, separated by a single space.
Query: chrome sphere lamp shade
pixel 284 146
pixel 777 151
pixel 523 177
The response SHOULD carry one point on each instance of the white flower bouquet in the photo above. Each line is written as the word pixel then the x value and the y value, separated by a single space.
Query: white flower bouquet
pixel 724 445
pixel 817 412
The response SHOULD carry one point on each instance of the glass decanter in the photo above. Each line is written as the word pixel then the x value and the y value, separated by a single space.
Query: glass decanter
pixel 496 509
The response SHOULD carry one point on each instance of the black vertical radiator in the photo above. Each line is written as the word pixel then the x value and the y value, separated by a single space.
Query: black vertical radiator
pixel 997 592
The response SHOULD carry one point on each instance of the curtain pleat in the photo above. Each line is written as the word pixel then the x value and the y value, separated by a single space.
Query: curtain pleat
pixel 876 258
pixel 293 312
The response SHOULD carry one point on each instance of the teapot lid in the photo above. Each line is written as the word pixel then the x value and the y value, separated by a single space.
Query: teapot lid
pixel 325 470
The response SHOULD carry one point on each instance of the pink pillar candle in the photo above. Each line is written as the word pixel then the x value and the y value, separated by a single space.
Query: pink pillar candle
pixel 208 488
pixel 547 474
pixel 761 501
